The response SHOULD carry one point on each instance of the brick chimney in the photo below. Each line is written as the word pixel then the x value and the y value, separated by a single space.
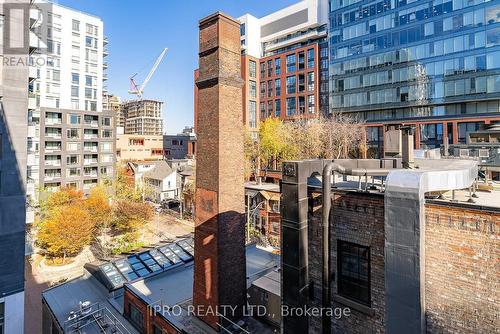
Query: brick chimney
pixel 219 264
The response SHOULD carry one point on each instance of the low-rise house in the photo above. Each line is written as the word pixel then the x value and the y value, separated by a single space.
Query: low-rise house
pixel 263 210
pixel 161 182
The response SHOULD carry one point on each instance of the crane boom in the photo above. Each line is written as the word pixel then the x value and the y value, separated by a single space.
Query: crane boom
pixel 135 89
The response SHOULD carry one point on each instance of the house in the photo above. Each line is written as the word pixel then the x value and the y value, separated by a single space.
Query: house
pixel 161 182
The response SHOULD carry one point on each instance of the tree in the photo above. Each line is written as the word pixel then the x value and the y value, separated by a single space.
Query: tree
pixel 98 207
pixel 66 231
pixel 65 196
pixel 131 215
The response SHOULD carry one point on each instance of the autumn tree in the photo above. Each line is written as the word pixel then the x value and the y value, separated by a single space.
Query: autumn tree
pixel 52 200
pixel 131 215
pixel 66 231
pixel 98 206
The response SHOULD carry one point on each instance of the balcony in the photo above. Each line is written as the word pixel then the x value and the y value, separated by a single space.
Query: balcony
pixel 32 73
pixel 105 65
pixel 32 130
pixel 31 101
pixel 93 124
pixel 89 161
pixel 53 135
pixel 105 40
pixel 50 177
pixel 53 163
pixel 105 52
pixel 30 215
pixel 90 149
pixel 53 121
pixel 91 174
pixel 50 149
pixel 35 42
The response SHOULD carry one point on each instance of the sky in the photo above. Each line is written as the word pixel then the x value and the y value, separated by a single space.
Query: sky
pixel 139 30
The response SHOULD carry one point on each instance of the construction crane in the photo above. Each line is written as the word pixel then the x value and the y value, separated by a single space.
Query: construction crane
pixel 139 90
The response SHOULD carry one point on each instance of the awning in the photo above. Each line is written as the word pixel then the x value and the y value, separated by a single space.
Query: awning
pixel 270 195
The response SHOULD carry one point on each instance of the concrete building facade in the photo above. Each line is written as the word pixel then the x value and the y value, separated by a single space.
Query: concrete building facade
pixel 142 117
pixel 139 147
pixel 180 146
pixel 430 64
pixel 68 95
pixel 17 42
pixel 77 148
pixel 112 102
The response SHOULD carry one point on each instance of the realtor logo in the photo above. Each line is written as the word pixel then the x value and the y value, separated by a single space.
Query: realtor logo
pixel 25 27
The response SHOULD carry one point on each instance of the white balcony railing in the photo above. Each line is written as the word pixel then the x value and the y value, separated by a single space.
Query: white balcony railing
pixel 54 163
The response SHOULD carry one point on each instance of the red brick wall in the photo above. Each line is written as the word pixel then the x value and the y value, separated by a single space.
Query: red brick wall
pixel 462 270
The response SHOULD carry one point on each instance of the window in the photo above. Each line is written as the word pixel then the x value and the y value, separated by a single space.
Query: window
pixel 107 133
pixel 302 83
pixel 136 317
pixel 310 58
pixel 88 80
pixel 74 119
pixel 277 108
pixel 73 133
pixel 253 114
pixel 76 25
pixel 269 108
pixel 242 29
pixel 253 89
pixel 291 106
pixel 354 272
pixel 269 67
pixel 310 104
pixel 291 63
pixel 302 60
pixel 75 78
pixel 262 69
pixel 277 87
pixel 277 66
pixel 252 69
pixel 291 84
pixel 88 93
pixel 263 89
pixel 106 121
pixel 263 114
pixel 72 160
pixel 74 91
pixel 269 88
pixel 310 81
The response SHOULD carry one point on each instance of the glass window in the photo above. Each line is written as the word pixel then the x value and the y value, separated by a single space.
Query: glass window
pixel 253 114
pixel 353 268
pixel 277 87
pixel 252 69
pixel 74 91
pixel 310 81
pixel 253 89
pixel 270 88
pixel 291 64
pixel 76 25
pixel 310 104
pixel 277 66
pixel 301 60
pixel 277 108
pixel 74 119
pixel 263 89
pixel 310 58
pixel 136 317
pixel 291 83
pixel 75 78
pixel 242 29
pixel 291 106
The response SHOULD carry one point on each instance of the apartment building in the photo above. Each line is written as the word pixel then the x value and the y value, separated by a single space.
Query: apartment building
pixel 143 117
pixel 285 63
pixel 72 140
pixel 77 148
pixel 112 102
pixel 431 64
pixel 15 103
pixel 139 147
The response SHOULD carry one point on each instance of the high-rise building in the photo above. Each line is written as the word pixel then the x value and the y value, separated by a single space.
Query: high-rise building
pixel 112 102
pixel 433 64
pixel 15 74
pixel 72 139
pixel 142 117
pixel 285 63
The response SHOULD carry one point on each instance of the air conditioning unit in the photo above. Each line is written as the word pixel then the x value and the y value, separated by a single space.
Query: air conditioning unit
pixel 464 152
pixel 484 153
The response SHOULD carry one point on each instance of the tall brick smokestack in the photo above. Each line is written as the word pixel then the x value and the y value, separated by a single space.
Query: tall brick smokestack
pixel 219 265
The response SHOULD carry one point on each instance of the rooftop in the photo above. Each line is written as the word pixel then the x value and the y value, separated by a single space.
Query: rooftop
pixel 263 186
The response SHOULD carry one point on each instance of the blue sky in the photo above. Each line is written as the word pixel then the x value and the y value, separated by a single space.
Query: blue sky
pixel 137 32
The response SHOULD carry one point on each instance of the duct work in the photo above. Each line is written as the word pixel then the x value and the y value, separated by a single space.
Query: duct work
pixel 405 191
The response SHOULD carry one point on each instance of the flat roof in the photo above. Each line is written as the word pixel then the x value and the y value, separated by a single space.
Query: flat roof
pixel 66 298
pixel 263 186
pixel 270 282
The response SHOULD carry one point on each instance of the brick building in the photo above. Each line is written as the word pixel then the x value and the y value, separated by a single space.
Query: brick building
pixel 436 276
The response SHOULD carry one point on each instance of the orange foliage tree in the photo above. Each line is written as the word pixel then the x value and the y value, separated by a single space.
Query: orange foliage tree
pixel 66 231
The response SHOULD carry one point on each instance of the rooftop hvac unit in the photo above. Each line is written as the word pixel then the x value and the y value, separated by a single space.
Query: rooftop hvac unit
pixel 484 153
pixel 464 152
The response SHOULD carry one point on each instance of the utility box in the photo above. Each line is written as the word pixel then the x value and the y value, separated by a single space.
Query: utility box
pixel 393 142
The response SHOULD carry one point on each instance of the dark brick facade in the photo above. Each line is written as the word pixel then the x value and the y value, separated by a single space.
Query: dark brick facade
pixel 461 255
pixel 220 274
